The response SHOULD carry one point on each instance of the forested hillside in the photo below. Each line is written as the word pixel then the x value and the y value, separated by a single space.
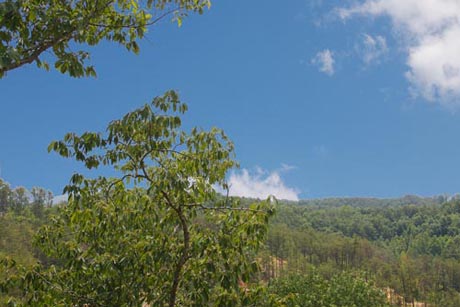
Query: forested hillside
pixel 22 213
pixel 318 252
pixel 413 249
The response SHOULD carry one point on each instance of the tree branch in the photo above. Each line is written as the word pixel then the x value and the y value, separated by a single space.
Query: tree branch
pixel 184 257
pixel 134 25
pixel 38 51
pixel 66 36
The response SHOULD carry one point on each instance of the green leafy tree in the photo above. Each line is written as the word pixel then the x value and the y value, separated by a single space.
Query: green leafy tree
pixel 28 28
pixel 348 290
pixel 313 290
pixel 157 234
pixel 41 199
pixel 19 199
pixel 5 194
pixel 301 290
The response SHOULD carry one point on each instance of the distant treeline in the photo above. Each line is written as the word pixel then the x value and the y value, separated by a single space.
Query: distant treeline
pixel 376 202
pixel 19 198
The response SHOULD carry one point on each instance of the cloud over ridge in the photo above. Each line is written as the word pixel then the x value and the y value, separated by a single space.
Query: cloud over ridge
pixel 261 184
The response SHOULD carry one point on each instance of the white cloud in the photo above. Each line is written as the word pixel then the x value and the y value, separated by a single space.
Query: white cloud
pixel 430 31
pixel 261 184
pixel 372 48
pixel 325 62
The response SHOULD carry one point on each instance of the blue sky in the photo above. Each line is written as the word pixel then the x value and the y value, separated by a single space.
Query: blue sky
pixel 321 98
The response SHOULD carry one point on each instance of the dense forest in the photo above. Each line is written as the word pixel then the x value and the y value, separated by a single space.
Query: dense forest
pixel 409 245
pixel 329 252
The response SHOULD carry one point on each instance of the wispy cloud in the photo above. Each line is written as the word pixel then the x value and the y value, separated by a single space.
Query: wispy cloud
pixel 261 184
pixel 430 30
pixel 324 60
pixel 372 48
pixel 286 167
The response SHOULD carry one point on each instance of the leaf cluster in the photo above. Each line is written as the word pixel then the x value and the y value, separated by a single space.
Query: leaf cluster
pixel 28 28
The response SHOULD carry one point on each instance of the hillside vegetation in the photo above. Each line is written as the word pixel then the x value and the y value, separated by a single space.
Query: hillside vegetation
pixel 410 244
pixel 331 252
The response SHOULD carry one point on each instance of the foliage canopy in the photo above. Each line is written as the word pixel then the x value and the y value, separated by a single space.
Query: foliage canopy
pixel 343 289
pixel 159 233
pixel 28 28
